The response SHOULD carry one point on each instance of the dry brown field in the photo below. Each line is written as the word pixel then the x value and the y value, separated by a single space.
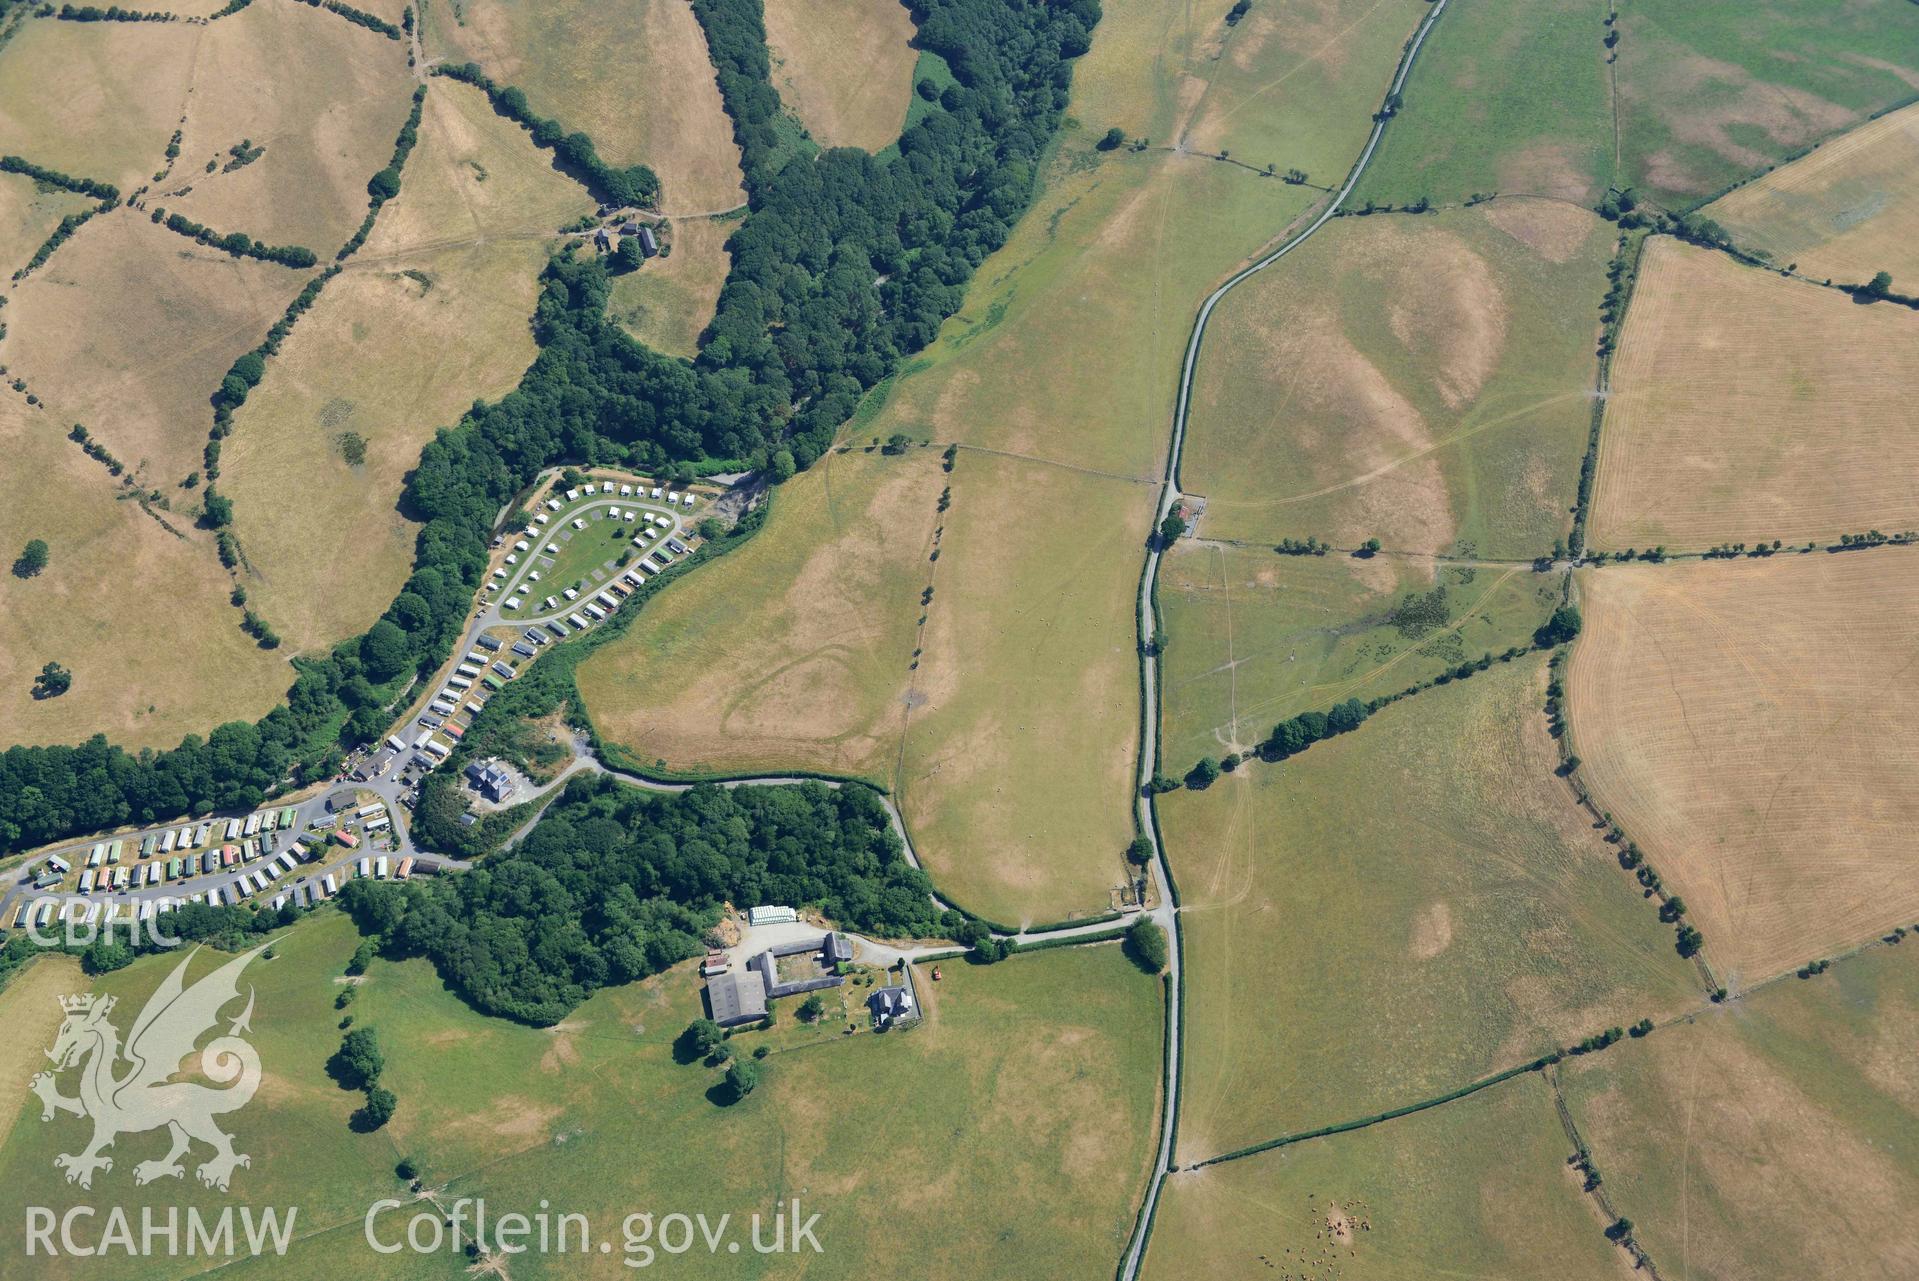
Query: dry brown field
pixel 28 216
pixel 1747 407
pixel 635 75
pixel 1773 1139
pixel 474 178
pixel 844 67
pixel 323 97
pixel 1845 212
pixel 138 615
pixel 792 652
pixel 96 99
pixel 668 303
pixel 1751 724
pixel 129 329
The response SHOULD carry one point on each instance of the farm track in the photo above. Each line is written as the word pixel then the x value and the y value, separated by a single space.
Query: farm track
pixel 1147 816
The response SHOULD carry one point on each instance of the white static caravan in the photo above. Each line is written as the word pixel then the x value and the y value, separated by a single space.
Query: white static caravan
pixel 630 516
pixel 607 601
pixel 166 843
pixel 96 856
pixel 594 612
pixel 395 742
pixel 637 580
pixel 438 750
pixel 543 518
pixel 613 513
pixel 364 868
pixel 469 668
pixel 650 565
pixel 278 901
pixel 153 873
pixel 379 824
pixel 380 868
pixel 421 741
pixel 460 682
pixel 326 885
pixel 513 602
pixel 572 495
pixel 233 829
pixel 626 491
pixel 553 504
pixel 252 827
pixel 656 491
pixel 522 546
pixel 578 622
pixel 589 488
pixel 370 809
pixel 204 835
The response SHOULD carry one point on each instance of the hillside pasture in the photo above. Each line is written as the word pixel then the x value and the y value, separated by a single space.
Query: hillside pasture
pixel 388 355
pixel 130 328
pixel 1776 1138
pixel 96 99
pixel 1510 96
pixel 1750 724
pixel 1396 912
pixel 1293 85
pixel 475 177
pixel 844 67
pixel 1478 1187
pixel 1256 637
pixel 1427 382
pixel 634 75
pixel 793 651
pixel 1844 213
pixel 1746 408
pixel 28 215
pixel 323 98
pixel 138 615
pixel 670 301
pixel 1711 94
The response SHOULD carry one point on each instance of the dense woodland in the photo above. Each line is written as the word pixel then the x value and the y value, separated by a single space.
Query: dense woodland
pixel 845 262
pixel 615 884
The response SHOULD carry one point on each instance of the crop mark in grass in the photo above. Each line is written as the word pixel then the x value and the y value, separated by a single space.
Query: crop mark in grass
pixel 1309 60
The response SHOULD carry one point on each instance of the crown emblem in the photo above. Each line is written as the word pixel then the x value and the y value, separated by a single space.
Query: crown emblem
pixel 81 1002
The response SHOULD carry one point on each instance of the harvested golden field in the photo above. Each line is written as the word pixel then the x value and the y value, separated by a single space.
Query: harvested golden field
pixel 28 216
pixel 384 359
pixel 1771 1140
pixel 137 614
pixel 844 67
pixel 670 301
pixel 1396 912
pixel 635 75
pixel 474 178
pixel 1751 724
pixel 321 97
pixel 793 651
pixel 1845 212
pixel 1430 380
pixel 1746 407
pixel 129 329
pixel 95 99
pixel 1475 1188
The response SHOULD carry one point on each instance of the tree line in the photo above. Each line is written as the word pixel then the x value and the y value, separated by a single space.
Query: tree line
pixel 615 884
pixel 237 243
pixel 575 152
pixel 385 184
pixel 842 265
pixel 54 178
pixel 359 17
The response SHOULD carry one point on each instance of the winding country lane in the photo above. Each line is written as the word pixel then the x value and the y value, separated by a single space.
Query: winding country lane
pixel 1167 913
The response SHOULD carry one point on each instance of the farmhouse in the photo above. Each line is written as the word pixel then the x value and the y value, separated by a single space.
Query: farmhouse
pixel 891 1003
pixel 492 780
pixel 733 999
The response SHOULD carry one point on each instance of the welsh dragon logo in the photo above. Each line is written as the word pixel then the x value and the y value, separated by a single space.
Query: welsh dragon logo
pixel 144 1096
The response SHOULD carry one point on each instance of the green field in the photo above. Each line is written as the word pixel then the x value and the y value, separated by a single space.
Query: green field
pixel 792 651
pixel 1510 96
pixel 1476 1188
pixel 1255 637
pixel 1430 379
pixel 1010 1131
pixel 1710 94
pixel 1777 1137
pixel 29 212
pixel 1397 912
pixel 588 559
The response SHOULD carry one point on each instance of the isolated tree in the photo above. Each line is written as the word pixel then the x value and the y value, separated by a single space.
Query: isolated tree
pixel 1881 285
pixel 1172 528
pixel 1563 626
pixel 1370 547
pixel 743 1077
pixel 1203 775
pixel 1113 139
pixel 358 1062
pixel 380 1103
pixel 1141 850
pixel 1146 944
pixel 705 1036
pixel 33 559
pixel 629 256
pixel 53 681
pixel 811 1008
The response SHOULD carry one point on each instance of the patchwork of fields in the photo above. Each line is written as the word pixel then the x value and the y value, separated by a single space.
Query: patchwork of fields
pixel 844 67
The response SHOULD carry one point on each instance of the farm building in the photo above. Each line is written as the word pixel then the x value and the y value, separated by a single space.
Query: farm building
pixel 815 971
pixel 733 999
pixel 771 915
